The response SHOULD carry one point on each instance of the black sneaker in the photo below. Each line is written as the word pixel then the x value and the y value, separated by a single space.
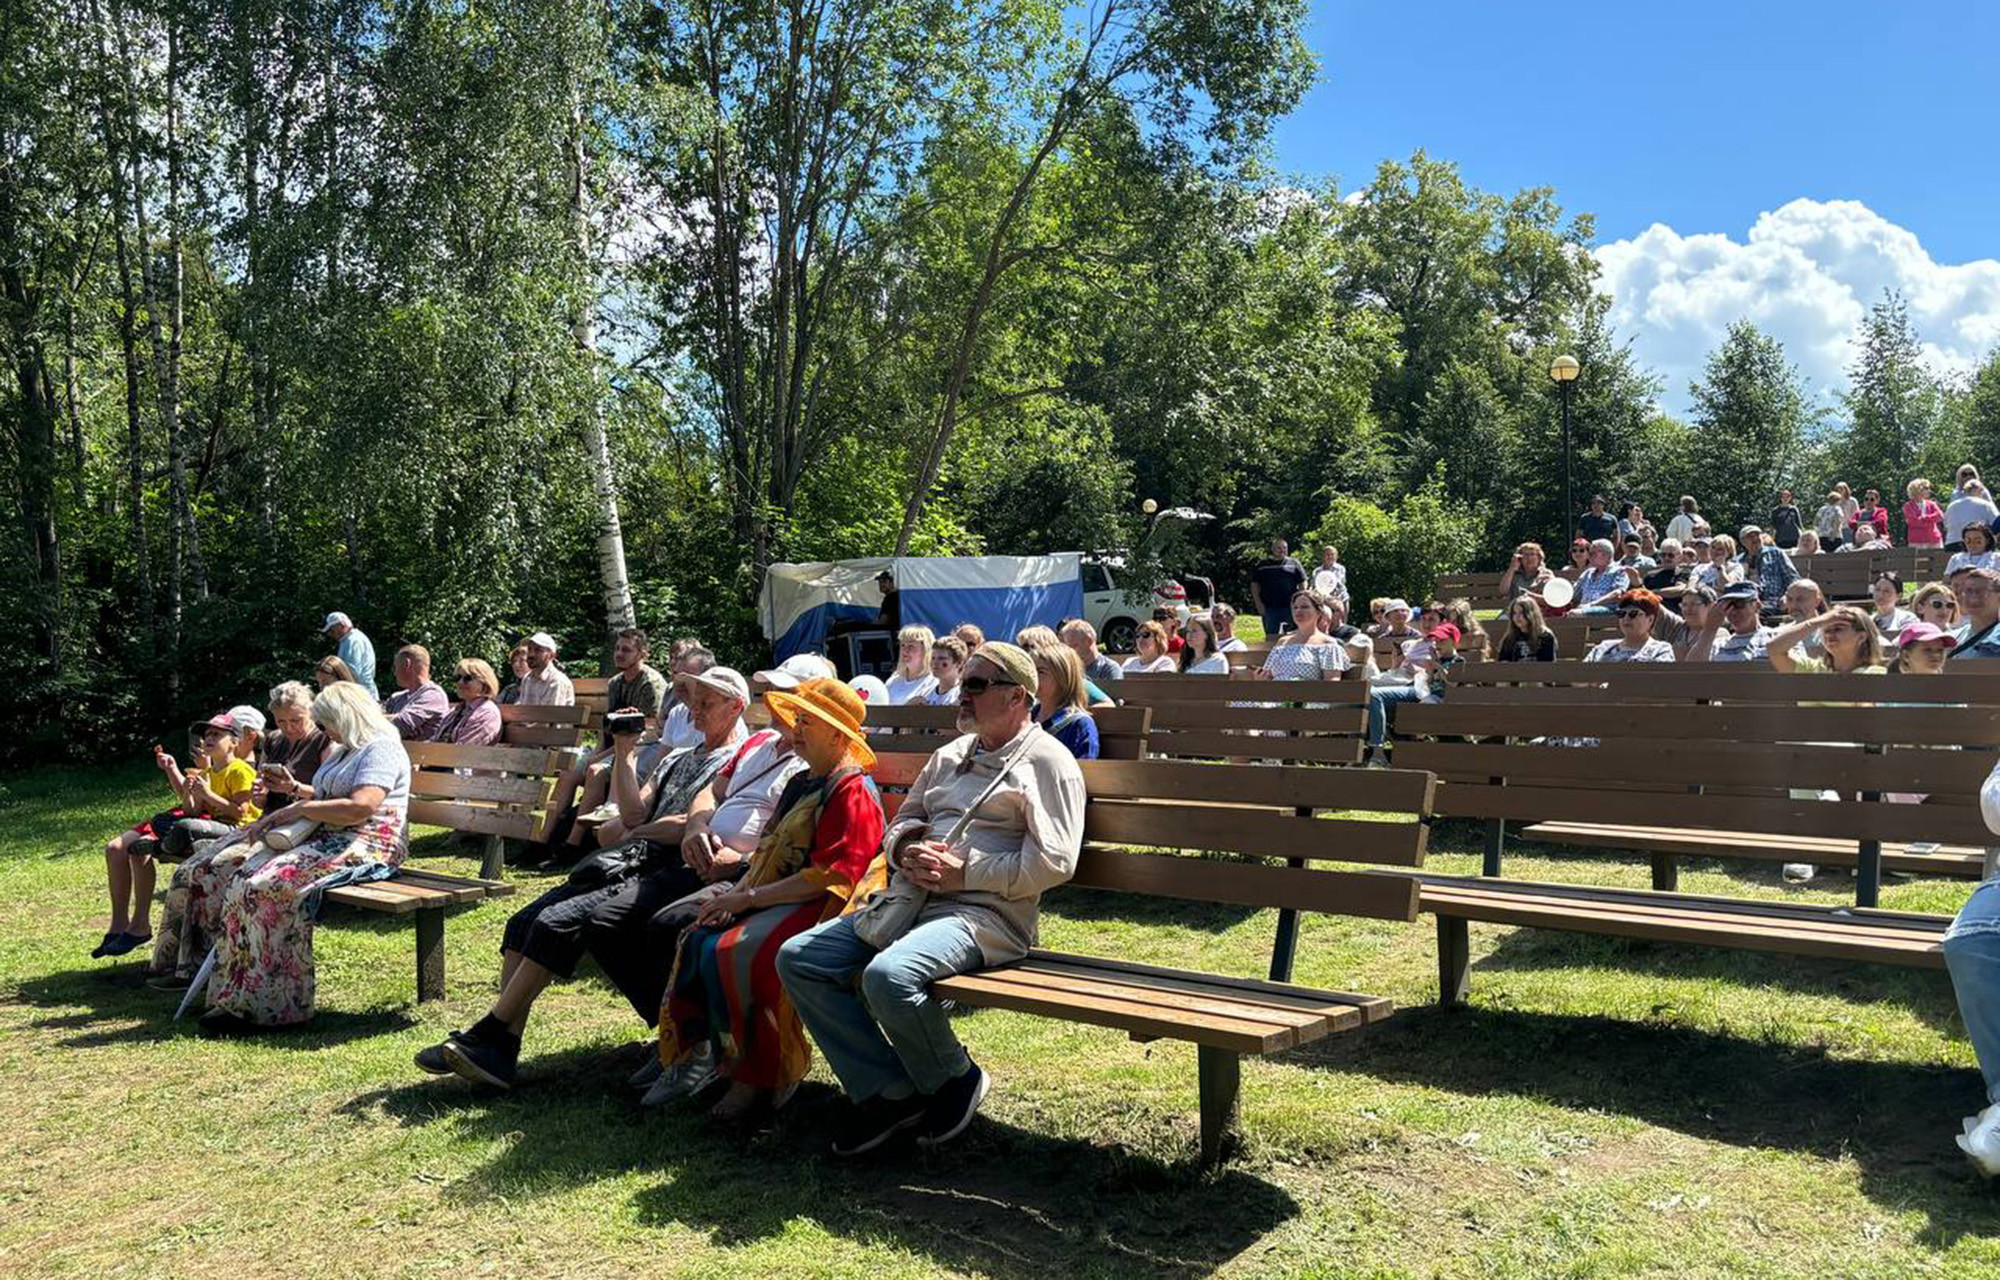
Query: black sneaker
pixel 103 948
pixel 432 1059
pixel 867 1125
pixel 951 1108
pixel 483 1061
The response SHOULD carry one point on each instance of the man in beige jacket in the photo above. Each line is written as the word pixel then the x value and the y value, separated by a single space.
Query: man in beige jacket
pixel 993 820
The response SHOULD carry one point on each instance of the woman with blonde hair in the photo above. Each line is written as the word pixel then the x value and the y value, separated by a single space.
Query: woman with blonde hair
pixel 360 800
pixel 1721 569
pixel 1152 656
pixel 1065 712
pixel 1934 603
pixel 724 992
pixel 1923 518
pixel 475 721
pixel 1848 643
pixel 912 680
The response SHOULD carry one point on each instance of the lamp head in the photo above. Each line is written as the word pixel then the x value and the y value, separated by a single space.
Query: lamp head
pixel 1149 506
pixel 1564 368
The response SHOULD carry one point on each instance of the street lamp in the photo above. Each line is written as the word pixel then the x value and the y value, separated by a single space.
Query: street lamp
pixel 1564 370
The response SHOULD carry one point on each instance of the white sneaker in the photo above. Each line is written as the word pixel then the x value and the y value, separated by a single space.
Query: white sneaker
pixel 683 1079
pixel 1981 1141
pixel 1798 872
pixel 649 1071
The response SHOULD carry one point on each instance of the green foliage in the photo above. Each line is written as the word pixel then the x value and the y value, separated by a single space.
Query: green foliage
pixel 1750 427
pixel 1401 551
pixel 1893 403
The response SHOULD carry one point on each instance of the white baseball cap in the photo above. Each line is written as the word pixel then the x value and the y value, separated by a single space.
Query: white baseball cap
pixel 726 680
pixel 336 620
pixel 542 640
pixel 247 719
pixel 797 669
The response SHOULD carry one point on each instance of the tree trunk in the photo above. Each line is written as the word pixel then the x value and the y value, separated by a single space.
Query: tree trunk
pixel 35 444
pixel 618 612
pixel 177 317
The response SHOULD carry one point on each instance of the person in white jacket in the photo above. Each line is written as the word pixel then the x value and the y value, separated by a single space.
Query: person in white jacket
pixel 1972 952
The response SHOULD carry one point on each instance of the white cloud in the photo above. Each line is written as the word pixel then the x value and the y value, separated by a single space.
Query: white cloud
pixel 1807 274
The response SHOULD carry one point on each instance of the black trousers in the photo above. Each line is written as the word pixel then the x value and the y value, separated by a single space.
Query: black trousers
pixel 637 953
pixel 580 914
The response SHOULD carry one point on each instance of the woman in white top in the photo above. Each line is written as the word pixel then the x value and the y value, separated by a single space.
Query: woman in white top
pixel 912 680
pixel 1890 615
pixel 1199 655
pixel 1152 657
pixel 1308 653
pixel 1978 553
pixel 948 656
pixel 1721 569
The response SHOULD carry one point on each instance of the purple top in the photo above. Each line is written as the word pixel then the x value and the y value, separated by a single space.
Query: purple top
pixel 470 724
pixel 416 712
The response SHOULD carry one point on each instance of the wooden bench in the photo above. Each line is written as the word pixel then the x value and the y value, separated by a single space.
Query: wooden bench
pixel 1253 813
pixel 1851 575
pixel 1121 731
pixel 593 695
pixel 1482 590
pixel 1312 721
pixel 544 726
pixel 497 792
pixel 1717 780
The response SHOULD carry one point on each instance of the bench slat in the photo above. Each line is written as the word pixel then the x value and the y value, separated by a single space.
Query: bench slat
pixel 1371 1008
pixel 1950 860
pixel 1253 832
pixel 994 989
pixel 528 761
pixel 513 824
pixel 1376 894
pixel 1883 725
pixel 1278 786
pixel 1856 820
pixel 1080 980
pixel 435 784
pixel 1681 764
pixel 1215 745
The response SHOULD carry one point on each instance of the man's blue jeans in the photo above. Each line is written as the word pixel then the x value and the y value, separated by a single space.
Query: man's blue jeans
pixel 1972 952
pixel 1378 709
pixel 889 1036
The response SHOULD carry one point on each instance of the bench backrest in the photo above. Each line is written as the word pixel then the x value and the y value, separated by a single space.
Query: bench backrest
pixel 1719 767
pixel 1307 721
pixel 1141 816
pixel 1121 731
pixel 592 694
pixel 542 726
pixel 1552 683
pixel 493 791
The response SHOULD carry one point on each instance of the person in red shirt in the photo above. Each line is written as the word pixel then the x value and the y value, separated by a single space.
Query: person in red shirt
pixel 1923 519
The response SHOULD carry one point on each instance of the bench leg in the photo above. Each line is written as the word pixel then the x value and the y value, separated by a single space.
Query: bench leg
pixel 430 954
pixel 1868 874
pixel 1454 960
pixel 1221 1080
pixel 1496 844
pixel 1666 872
pixel 495 858
pixel 1286 944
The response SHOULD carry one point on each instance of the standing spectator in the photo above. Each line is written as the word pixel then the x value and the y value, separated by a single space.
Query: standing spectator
pixel 1065 713
pixel 890 615
pixel 1308 653
pixel 418 706
pixel 1973 505
pixel 1528 638
pixel 1272 585
pixel 1785 521
pixel 1681 527
pixel 1871 511
pixel 964 893
pixel 1961 479
pixel 1923 519
pixel 948 664
pixel 912 680
pixel 1976 550
pixel 1082 637
pixel 1631 521
pixel 1597 522
pixel 354 648
pixel 1830 522
pixel 1978 592
pixel 545 685
pixel 1224 618
pixel 475 721
pixel 1766 566
pixel 1844 499
pixel 1152 655
pixel 1637 611
pixel 1330 579
pixel 1891 618
pixel 1732 631
pixel 1200 657
pixel 517 662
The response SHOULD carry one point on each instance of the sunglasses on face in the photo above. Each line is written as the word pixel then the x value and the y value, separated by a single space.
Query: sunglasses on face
pixel 976 685
pixel 1937 604
pixel 465 678
pixel 1631 613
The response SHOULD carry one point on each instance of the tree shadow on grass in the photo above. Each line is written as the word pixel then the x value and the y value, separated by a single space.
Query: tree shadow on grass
pixel 1002 1200
pixel 114 1006
pixel 1893 1120
pixel 1924 992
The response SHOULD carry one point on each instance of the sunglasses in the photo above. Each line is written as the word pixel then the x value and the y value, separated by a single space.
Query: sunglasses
pixel 1632 613
pixel 976 685
pixel 1937 604
pixel 465 677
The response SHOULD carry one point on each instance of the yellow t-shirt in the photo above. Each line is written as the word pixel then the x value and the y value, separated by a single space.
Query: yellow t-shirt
pixel 232 782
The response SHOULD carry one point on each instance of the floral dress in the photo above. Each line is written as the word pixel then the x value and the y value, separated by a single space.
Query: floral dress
pixel 264 959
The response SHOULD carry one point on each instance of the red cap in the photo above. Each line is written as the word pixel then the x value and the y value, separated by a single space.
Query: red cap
pixel 1918 632
pixel 1443 631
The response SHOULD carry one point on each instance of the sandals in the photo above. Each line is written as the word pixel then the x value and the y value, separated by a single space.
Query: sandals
pixel 117 944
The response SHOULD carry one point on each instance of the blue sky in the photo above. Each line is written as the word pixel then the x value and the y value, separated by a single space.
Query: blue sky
pixel 1871 129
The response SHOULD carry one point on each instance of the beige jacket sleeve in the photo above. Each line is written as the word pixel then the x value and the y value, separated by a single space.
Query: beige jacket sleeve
pixel 1053 797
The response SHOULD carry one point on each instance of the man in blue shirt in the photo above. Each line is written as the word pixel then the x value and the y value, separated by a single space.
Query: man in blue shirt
pixel 1769 568
pixel 354 648
pixel 1742 638
pixel 1600 584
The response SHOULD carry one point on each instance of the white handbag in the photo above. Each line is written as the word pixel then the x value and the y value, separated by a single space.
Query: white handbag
pixel 291 835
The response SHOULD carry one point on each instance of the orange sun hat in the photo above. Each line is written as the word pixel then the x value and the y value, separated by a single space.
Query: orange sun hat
pixel 830 702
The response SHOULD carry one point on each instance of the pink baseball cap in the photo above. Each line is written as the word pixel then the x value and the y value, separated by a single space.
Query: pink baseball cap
pixel 1918 632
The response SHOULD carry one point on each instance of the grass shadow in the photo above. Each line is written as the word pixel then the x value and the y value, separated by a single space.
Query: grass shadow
pixel 114 1006
pixel 1893 1120
pixel 1002 1200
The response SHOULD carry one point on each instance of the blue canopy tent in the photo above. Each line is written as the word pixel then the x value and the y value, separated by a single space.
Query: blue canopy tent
pixel 801 603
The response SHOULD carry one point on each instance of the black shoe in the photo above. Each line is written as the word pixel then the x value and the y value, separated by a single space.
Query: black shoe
pixel 867 1125
pixel 951 1108
pixel 103 948
pixel 482 1061
pixel 433 1060
pixel 221 1022
pixel 124 942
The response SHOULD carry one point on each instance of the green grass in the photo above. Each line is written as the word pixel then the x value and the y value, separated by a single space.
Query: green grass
pixel 1603 1108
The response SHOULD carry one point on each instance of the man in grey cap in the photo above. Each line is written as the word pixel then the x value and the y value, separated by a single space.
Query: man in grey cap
pixel 964 894
pixel 354 648
pixel 545 685
pixel 1743 637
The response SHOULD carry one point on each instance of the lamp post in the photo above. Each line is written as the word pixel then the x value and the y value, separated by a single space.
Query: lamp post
pixel 1564 370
